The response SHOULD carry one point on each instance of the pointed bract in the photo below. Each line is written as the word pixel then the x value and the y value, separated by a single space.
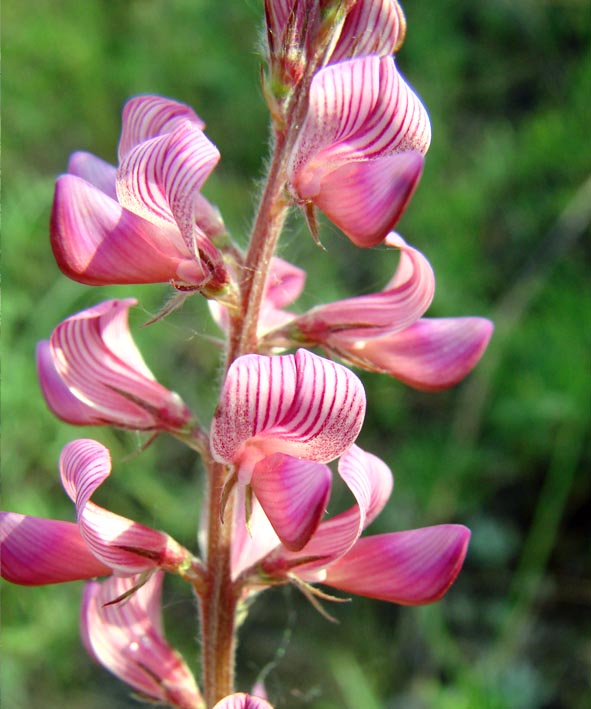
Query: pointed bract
pixel 126 637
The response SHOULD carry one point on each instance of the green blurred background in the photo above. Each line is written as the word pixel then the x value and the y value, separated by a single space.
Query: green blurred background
pixel 503 215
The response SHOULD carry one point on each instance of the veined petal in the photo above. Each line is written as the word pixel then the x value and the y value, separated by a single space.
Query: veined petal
pixel 405 298
pixel 294 494
pixel 411 568
pixel 301 405
pixel 97 242
pixel 97 360
pixel 365 199
pixel 97 172
pixel 126 638
pixel 146 117
pixel 360 109
pixel 371 27
pixel 431 354
pixel 125 546
pixel 242 701
pixel 36 551
pixel 160 178
pixel 60 399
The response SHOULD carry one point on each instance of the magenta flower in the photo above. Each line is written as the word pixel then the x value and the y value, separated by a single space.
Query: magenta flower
pixel 279 421
pixel 359 154
pixel 410 568
pixel 38 551
pixel 127 638
pixel 243 701
pixel 146 221
pixel 92 373
pixel 384 332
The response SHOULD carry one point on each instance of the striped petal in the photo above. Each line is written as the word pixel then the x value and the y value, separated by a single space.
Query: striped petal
pixel 301 405
pixel 242 701
pixel 146 117
pixel 127 639
pixel 359 110
pixel 431 354
pixel 293 494
pixel 410 568
pixel 125 546
pixel 97 242
pixel 160 179
pixel 405 298
pixel 371 27
pixel 97 361
pixel 36 551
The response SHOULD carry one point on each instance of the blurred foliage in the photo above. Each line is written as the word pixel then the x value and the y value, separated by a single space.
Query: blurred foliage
pixel 502 213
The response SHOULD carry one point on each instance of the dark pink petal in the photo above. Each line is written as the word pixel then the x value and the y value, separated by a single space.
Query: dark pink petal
pixel 97 360
pixel 125 546
pixel 359 110
pixel 365 199
pixel 97 242
pixel 371 27
pixel 405 298
pixel 431 354
pixel 294 494
pixel 126 638
pixel 94 170
pixel 370 481
pixel 60 399
pixel 146 117
pixel 411 568
pixel 242 701
pixel 160 179
pixel 36 551
pixel 301 405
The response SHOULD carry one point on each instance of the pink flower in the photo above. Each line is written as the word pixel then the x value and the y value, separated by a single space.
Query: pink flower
pixel 127 638
pixel 242 701
pixel 411 568
pixel 384 332
pixel 146 221
pixel 279 421
pixel 38 551
pixel 92 373
pixel 359 153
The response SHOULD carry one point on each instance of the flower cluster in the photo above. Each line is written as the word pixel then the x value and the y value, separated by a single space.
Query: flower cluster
pixel 350 140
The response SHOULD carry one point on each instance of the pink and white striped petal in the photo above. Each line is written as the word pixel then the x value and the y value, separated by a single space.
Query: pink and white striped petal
pixel 243 701
pixel 160 179
pixel 371 27
pixel 36 551
pixel 410 568
pixel 360 109
pixel 301 405
pixel 127 639
pixel 97 242
pixel 404 299
pixel 97 172
pixel 294 494
pixel 431 354
pixel 120 543
pixel 146 117
pixel 98 362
